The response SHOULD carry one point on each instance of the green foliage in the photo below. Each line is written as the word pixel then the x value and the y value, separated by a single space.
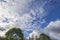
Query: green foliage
pixel 44 37
pixel 14 34
pixel 3 38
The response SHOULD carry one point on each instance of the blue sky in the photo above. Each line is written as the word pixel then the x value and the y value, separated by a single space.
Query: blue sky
pixel 30 16
pixel 53 15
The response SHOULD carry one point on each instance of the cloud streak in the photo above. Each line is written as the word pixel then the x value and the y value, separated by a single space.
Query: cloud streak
pixel 23 14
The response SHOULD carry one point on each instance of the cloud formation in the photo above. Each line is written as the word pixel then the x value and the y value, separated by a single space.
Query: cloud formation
pixel 53 29
pixel 25 14
pixel 28 15
pixel 34 34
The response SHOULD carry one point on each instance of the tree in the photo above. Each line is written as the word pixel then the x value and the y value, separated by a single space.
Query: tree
pixel 44 37
pixel 14 34
pixel 3 38
pixel 36 38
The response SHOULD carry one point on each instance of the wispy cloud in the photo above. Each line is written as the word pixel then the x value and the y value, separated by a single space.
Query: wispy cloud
pixel 24 14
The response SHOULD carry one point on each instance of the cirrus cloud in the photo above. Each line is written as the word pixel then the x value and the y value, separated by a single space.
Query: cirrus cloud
pixel 23 14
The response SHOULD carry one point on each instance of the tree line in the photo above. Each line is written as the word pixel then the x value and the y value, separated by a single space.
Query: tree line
pixel 16 34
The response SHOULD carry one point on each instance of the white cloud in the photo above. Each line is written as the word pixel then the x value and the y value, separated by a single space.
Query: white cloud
pixel 53 29
pixel 16 6
pixel 18 14
pixel 34 33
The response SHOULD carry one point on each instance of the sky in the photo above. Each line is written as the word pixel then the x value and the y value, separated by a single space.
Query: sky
pixel 32 16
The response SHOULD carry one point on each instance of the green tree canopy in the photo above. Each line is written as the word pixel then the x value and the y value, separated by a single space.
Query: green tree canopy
pixel 3 38
pixel 14 33
pixel 44 37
